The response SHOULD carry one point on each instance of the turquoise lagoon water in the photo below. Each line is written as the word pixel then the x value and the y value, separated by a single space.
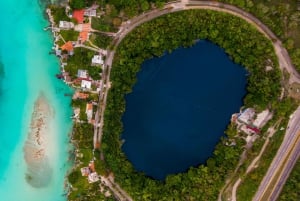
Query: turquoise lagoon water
pixel 180 107
pixel 26 70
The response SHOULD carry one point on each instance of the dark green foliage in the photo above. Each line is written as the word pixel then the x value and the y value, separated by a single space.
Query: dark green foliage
pixel 77 4
pixel 241 41
pixel 94 72
pixel 101 40
pixel 81 59
pixel 58 13
pixel 281 16
pixel 83 134
pixel 103 24
pixel 291 190
pixel 74 176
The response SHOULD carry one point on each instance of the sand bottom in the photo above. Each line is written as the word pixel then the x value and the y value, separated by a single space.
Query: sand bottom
pixel 39 171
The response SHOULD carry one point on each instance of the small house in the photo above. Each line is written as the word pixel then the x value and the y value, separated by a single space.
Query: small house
pixel 247 116
pixel 89 111
pixel 85 171
pixel 90 12
pixel 82 73
pixel 66 25
pixel 86 84
pixel 68 46
pixel 97 60
pixel 93 177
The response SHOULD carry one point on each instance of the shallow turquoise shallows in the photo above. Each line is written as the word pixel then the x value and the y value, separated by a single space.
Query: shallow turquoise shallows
pixel 180 107
pixel 26 70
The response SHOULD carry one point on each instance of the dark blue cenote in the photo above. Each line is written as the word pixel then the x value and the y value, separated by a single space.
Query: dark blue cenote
pixel 179 108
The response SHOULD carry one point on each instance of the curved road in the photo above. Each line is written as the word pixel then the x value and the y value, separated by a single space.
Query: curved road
pixel 283 57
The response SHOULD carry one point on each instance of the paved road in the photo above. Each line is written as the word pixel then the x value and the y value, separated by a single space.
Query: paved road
pixel 283 57
pixel 287 151
pixel 271 132
pixel 289 166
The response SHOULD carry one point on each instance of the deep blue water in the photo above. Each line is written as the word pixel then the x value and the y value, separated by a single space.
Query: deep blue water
pixel 180 107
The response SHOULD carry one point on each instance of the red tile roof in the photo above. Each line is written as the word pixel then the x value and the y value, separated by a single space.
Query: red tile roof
pixel 256 130
pixel 78 15
pixel 83 36
pixel 67 46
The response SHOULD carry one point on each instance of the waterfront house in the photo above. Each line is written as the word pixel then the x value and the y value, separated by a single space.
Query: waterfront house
pixel 247 116
pixel 80 95
pixel 97 60
pixel 86 84
pixel 68 46
pixel 82 73
pixel 66 25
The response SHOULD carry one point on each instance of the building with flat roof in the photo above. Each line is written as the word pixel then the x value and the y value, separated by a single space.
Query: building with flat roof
pixel 82 73
pixel 97 60
pixel 66 25
pixel 90 12
pixel 93 177
pixel 86 84
pixel 247 116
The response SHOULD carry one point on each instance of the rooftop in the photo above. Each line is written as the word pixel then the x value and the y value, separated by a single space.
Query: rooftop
pixel 67 46
pixel 78 15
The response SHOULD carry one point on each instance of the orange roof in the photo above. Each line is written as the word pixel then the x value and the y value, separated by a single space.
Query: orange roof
pixel 83 36
pixel 92 166
pixel 89 106
pixel 86 27
pixel 67 46
pixel 78 15
pixel 83 95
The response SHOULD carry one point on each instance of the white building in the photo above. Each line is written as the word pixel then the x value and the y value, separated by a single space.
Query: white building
pixel 85 84
pixel 66 25
pixel 247 116
pixel 262 118
pixel 93 177
pixel 97 60
pixel 90 12
pixel 82 73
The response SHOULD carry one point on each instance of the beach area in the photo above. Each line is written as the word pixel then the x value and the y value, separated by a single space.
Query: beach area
pixel 35 113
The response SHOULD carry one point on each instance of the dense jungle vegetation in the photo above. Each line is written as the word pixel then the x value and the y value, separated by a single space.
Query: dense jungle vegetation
pixel 241 41
pixel 282 17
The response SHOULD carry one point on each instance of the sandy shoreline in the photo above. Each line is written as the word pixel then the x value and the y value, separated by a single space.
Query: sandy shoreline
pixel 39 172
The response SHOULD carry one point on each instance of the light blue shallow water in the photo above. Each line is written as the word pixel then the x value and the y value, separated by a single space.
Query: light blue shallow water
pixel 180 107
pixel 26 70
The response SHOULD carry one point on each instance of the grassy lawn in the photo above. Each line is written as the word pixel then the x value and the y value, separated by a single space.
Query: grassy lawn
pixel 69 35
pixel 291 190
